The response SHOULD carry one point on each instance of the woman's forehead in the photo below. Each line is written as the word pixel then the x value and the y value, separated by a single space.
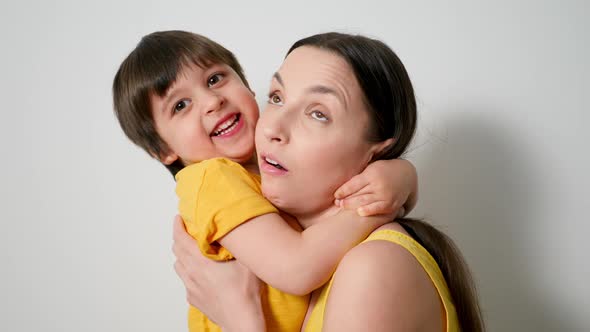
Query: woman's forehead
pixel 310 69
pixel 315 61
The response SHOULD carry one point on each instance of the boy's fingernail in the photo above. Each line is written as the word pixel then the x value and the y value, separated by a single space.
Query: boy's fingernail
pixel 361 212
pixel 337 202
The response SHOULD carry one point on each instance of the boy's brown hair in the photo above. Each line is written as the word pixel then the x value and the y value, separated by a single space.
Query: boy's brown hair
pixel 151 68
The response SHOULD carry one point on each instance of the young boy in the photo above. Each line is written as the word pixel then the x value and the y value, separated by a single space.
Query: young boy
pixel 184 99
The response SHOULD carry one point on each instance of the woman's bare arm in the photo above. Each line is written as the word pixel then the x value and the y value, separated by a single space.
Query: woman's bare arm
pixel 379 286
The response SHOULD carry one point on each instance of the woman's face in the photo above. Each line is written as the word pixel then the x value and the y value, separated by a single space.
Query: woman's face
pixel 311 138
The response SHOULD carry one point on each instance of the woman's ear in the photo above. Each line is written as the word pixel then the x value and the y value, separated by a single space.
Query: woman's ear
pixel 378 148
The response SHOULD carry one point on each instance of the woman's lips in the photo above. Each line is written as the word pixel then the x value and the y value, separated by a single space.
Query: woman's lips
pixel 272 166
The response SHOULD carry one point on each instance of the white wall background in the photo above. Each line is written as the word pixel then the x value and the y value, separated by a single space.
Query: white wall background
pixel 502 152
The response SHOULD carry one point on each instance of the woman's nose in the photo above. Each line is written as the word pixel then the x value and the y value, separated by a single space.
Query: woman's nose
pixel 274 128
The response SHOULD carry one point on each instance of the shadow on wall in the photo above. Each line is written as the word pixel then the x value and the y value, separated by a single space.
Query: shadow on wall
pixel 476 180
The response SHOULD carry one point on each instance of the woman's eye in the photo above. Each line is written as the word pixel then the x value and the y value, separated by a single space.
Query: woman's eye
pixel 179 106
pixel 275 99
pixel 216 78
pixel 319 116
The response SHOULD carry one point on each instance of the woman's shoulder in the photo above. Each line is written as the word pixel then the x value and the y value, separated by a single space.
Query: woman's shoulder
pixel 380 256
pixel 384 275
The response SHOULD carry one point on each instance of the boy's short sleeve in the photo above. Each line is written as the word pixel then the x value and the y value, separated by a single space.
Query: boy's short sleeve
pixel 216 196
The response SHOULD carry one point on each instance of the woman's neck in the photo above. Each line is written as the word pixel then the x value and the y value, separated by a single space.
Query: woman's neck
pixel 307 220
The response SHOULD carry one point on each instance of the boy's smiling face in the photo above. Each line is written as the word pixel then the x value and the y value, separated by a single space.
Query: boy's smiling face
pixel 207 113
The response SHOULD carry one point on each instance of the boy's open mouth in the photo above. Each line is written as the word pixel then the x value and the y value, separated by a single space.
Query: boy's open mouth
pixel 227 125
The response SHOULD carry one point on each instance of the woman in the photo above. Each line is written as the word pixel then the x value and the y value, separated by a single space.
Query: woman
pixel 337 103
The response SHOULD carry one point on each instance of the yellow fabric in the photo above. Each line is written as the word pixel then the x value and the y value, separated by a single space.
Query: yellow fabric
pixel 316 320
pixel 215 196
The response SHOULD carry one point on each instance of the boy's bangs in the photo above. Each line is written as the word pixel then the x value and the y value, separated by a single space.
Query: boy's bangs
pixel 166 71
pixel 164 55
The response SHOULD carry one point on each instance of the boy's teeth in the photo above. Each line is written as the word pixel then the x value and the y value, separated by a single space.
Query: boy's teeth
pixel 226 126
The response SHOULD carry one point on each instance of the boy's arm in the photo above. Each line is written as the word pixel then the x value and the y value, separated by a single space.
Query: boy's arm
pixel 297 262
pixel 384 187
pixel 221 204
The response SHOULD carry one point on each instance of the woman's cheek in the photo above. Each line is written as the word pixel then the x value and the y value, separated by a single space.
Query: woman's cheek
pixel 325 171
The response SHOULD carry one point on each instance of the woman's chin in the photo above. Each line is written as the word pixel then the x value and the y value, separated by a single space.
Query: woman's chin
pixel 274 196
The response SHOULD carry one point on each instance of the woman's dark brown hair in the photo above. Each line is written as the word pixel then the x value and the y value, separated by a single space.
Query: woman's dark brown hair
pixel 389 97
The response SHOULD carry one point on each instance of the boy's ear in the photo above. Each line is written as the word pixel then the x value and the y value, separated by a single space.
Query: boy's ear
pixel 378 148
pixel 166 158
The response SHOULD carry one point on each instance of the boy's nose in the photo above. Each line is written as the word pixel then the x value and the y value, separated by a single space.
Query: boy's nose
pixel 213 103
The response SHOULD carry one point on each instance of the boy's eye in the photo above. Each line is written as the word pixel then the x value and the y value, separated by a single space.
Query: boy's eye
pixel 179 106
pixel 275 99
pixel 216 78
pixel 319 116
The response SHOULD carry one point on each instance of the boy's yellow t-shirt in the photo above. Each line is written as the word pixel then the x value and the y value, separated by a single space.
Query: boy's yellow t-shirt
pixel 215 196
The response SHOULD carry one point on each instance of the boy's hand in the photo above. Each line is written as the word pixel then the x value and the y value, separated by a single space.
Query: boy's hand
pixel 384 187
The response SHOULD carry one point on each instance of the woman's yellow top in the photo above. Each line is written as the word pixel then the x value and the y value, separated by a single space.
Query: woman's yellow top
pixel 316 320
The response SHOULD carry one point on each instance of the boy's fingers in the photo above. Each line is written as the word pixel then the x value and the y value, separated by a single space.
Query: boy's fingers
pixel 375 208
pixel 357 201
pixel 352 186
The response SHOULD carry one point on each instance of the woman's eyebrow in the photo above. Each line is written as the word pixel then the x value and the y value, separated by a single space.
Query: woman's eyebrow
pixel 278 77
pixel 322 89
